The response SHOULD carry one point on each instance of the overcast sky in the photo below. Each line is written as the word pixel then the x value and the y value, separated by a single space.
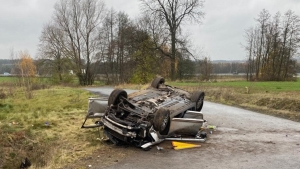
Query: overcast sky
pixel 219 36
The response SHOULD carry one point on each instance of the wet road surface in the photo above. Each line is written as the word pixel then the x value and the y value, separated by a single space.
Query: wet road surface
pixel 242 139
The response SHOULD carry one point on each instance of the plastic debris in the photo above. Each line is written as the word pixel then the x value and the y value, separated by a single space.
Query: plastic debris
pixel 159 148
pixel 181 145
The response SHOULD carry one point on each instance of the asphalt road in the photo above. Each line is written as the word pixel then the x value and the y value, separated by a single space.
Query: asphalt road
pixel 242 139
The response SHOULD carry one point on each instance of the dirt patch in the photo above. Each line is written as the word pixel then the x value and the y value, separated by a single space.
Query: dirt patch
pixel 107 155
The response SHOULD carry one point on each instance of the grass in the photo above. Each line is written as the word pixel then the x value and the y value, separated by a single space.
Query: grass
pixel 7 79
pixel 46 129
pixel 272 86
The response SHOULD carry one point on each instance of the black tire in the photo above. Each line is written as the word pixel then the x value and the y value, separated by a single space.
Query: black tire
pixel 115 96
pixel 161 121
pixel 198 98
pixel 157 81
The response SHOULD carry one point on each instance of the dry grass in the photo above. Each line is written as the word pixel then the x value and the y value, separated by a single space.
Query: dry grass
pixel 285 104
pixel 46 129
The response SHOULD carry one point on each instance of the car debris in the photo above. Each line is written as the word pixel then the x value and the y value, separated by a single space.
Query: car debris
pixel 211 127
pixel 148 117
pixel 180 145
pixel 159 148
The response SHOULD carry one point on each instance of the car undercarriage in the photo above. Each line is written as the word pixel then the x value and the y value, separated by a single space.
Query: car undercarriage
pixel 147 117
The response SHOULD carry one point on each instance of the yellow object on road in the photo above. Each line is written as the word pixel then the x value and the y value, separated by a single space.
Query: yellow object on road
pixel 180 145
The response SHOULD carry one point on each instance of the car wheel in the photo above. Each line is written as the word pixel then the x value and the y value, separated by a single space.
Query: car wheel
pixel 157 81
pixel 198 97
pixel 115 96
pixel 161 121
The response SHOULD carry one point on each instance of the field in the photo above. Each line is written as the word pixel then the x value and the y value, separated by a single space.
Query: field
pixel 7 79
pixel 46 128
pixel 272 86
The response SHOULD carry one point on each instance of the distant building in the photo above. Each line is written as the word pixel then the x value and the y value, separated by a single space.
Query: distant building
pixel 6 74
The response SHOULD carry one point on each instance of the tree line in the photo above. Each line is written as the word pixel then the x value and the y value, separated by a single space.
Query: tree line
pixel 272 46
pixel 85 37
pixel 6 66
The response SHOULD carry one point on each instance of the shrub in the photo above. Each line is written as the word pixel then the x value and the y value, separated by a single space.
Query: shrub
pixel 2 95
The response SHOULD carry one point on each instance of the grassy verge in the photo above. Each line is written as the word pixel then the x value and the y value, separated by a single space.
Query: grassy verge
pixel 46 129
pixel 280 99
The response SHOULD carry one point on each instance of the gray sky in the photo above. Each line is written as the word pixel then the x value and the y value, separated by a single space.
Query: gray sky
pixel 219 36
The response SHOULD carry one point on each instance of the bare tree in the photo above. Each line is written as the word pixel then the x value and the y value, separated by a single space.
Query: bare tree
pixel 206 69
pixel 174 13
pixel 51 51
pixel 78 20
pixel 263 21
pixel 116 36
pixel 272 46
pixel 293 40
pixel 107 34
pixel 249 48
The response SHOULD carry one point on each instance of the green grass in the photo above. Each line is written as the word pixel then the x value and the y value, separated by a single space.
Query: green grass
pixel 271 86
pixel 7 79
pixel 14 80
pixel 73 81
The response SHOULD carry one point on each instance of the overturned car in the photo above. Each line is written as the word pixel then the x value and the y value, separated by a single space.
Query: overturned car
pixel 147 117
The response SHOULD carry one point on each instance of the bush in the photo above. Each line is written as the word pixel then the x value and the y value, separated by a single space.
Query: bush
pixel 2 95
pixel 39 86
pixel 66 79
